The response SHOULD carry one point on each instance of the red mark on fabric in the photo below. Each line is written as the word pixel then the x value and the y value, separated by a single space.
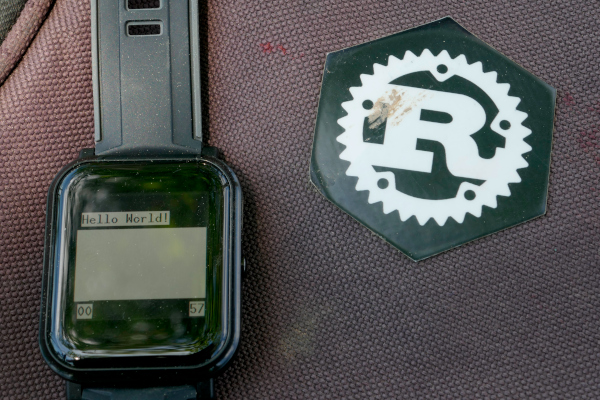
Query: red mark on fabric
pixel 589 141
pixel 569 99
pixel 267 48
pixel 595 107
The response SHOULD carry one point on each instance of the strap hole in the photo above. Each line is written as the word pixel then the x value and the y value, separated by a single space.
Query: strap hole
pixel 146 28
pixel 142 4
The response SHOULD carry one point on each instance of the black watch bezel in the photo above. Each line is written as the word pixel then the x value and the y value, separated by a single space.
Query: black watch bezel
pixel 167 374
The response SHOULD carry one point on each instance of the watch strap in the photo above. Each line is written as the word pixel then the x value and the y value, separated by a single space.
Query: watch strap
pixel 146 78
pixel 203 391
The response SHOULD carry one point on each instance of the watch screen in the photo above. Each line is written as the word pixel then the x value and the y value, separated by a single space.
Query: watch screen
pixel 139 261
pixel 167 263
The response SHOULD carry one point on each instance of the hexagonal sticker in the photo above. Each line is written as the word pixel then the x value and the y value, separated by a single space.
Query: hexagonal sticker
pixel 431 138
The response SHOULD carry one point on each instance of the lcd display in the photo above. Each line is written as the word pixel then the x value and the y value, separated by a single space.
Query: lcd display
pixel 140 264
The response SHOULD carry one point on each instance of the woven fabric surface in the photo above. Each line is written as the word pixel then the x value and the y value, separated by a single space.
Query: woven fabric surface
pixel 329 309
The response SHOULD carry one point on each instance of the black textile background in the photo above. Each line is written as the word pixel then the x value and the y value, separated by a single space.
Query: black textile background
pixel 9 12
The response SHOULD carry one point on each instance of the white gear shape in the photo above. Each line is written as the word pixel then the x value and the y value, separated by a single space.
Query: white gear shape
pixel 402 104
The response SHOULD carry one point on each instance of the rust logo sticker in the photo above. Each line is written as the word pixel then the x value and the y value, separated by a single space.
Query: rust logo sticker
pixel 396 131
pixel 431 138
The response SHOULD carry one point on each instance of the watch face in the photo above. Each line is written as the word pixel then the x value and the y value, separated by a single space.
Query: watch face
pixel 137 268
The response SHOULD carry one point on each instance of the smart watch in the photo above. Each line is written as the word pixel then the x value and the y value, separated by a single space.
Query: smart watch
pixel 142 261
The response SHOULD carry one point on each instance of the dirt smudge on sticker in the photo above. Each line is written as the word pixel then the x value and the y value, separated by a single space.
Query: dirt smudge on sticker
pixel 393 104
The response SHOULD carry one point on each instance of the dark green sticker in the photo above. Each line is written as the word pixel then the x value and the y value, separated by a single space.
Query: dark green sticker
pixel 431 138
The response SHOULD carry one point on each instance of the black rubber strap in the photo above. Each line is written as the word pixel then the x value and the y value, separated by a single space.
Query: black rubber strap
pixel 203 391
pixel 146 78
pixel 160 393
